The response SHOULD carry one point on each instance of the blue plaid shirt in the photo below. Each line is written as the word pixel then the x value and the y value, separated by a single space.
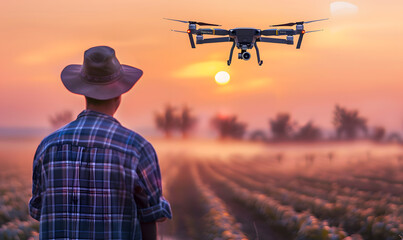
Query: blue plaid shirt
pixel 95 179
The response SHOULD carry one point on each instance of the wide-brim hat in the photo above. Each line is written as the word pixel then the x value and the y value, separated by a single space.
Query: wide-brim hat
pixel 101 76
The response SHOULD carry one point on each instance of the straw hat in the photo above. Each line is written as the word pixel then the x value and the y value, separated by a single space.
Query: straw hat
pixel 101 76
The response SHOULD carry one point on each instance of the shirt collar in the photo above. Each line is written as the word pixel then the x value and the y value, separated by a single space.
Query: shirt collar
pixel 93 113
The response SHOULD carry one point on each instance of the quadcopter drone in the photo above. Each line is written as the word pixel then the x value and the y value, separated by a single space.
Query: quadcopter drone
pixel 245 38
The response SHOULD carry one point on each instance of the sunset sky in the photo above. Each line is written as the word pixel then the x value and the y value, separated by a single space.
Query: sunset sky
pixel 357 61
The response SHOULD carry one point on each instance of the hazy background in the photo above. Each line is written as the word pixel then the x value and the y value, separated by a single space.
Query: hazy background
pixel 356 62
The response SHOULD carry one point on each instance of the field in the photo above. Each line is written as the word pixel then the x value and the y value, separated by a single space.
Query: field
pixel 235 190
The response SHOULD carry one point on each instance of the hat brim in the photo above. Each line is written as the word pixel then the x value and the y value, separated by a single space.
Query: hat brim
pixel 73 81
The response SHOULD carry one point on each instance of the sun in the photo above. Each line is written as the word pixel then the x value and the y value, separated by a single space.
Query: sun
pixel 222 78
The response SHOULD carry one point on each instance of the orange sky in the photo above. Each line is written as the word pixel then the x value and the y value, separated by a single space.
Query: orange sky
pixel 356 62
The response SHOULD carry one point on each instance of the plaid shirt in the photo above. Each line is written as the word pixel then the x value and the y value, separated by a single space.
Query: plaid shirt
pixel 95 179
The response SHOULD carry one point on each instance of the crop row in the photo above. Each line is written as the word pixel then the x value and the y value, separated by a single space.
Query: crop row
pixel 381 204
pixel 350 212
pixel 388 181
pixel 332 191
pixel 223 224
pixel 168 176
pixel 304 224
pixel 381 168
pixel 18 229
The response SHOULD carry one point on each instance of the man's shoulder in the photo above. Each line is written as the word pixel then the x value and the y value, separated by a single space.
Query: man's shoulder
pixel 134 138
pixel 47 142
pixel 122 137
pixel 133 142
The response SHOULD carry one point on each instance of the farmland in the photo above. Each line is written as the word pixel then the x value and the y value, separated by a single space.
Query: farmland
pixel 235 190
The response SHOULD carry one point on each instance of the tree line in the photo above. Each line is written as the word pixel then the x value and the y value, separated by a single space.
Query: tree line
pixel 348 125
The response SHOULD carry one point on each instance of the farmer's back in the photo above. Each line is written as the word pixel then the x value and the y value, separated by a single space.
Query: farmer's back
pixel 95 179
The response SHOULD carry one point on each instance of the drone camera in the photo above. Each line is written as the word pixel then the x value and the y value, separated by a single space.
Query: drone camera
pixel 245 56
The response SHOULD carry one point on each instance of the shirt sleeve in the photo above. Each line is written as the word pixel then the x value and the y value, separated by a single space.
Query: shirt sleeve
pixel 35 204
pixel 154 206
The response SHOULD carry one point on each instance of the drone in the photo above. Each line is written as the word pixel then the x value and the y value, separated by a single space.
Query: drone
pixel 245 38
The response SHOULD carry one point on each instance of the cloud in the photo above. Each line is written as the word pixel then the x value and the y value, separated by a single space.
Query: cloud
pixel 343 8
pixel 201 69
pixel 48 54
pixel 253 85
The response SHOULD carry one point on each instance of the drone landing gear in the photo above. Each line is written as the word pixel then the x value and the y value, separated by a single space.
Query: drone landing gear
pixel 230 54
pixel 244 57
pixel 260 62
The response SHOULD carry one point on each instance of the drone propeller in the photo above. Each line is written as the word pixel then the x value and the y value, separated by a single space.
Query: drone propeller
pixel 192 42
pixel 301 36
pixel 323 19
pixel 178 31
pixel 314 31
pixel 193 22
pixel 297 23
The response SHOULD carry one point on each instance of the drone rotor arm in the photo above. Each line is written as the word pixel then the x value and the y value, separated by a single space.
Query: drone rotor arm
pixel 269 32
pixel 221 32
pixel 213 31
pixel 277 32
pixel 273 40
pixel 214 40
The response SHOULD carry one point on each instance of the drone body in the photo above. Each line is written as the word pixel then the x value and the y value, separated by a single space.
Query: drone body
pixel 245 38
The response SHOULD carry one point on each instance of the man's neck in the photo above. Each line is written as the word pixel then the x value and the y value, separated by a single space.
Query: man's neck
pixel 107 107
pixel 103 110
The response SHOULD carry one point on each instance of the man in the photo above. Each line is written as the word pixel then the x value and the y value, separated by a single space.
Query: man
pixel 93 178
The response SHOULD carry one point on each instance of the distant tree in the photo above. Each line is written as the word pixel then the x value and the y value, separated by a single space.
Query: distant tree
pixel 60 119
pixel 394 137
pixel 348 123
pixel 281 126
pixel 378 133
pixel 258 136
pixel 330 156
pixel 187 121
pixel 279 157
pixel 308 132
pixel 228 126
pixel 167 121
pixel 310 158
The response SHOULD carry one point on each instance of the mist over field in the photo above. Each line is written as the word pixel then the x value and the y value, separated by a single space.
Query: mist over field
pixel 307 146
pixel 242 190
